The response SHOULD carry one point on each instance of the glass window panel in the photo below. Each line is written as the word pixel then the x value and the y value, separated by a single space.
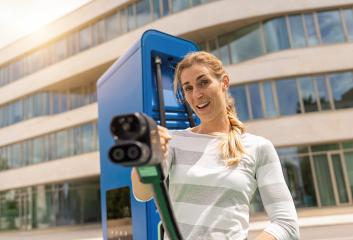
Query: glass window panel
pixel 256 105
pixel 124 20
pixel 241 103
pixel 291 151
pixel 112 26
pixel 330 27
pixel 64 103
pixel 298 175
pixel 297 31
pixel 17 111
pixel 342 89
pixel 76 139
pixel 6 116
pixel 348 19
pixel 60 50
pixel 15 157
pixel 179 5
pixel 87 137
pixel 324 147
pixel 288 99
pixel 4 76
pixel 85 38
pixel 156 9
pixel 62 141
pixel 2 82
pixel 213 48
pixel 246 43
pixel 311 29
pixel 131 17
pixel 276 35
pixel 308 94
pixel 341 187
pixel 55 101
pixel 17 69
pixel 224 49
pixel 37 150
pixel 323 180
pixel 26 153
pixel 3 161
pixel 1 117
pixel 347 145
pixel 349 163
pixel 76 98
pixel 196 2
pixel 323 93
pixel 98 32
pixel 166 7
pixel 72 44
pixel 271 110
pixel 143 12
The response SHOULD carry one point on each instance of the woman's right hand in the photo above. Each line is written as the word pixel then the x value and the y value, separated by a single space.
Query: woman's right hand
pixel 164 138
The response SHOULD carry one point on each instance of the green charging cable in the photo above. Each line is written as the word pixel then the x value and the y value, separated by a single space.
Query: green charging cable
pixel 153 174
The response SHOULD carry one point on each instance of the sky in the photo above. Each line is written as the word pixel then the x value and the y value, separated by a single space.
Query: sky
pixel 19 18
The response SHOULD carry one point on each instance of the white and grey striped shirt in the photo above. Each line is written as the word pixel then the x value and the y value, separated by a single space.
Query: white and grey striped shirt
pixel 211 200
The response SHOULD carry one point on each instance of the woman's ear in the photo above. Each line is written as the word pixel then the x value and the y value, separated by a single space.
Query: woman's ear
pixel 225 82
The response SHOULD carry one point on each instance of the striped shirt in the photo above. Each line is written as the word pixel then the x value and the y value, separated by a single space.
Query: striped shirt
pixel 212 201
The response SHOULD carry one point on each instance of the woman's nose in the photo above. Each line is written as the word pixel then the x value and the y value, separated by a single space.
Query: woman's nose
pixel 197 93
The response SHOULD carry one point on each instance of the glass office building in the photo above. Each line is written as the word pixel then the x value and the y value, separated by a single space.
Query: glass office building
pixel 291 77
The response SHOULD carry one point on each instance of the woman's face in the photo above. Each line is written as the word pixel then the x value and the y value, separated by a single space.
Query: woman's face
pixel 204 92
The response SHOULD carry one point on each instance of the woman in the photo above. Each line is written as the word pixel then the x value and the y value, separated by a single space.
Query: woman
pixel 215 167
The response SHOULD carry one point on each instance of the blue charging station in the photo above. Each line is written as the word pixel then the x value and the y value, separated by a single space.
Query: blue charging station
pixel 129 85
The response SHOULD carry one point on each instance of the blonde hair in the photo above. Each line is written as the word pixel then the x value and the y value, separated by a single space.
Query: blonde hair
pixel 231 147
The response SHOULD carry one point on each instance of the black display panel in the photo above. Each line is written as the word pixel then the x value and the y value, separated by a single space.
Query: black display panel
pixel 119 222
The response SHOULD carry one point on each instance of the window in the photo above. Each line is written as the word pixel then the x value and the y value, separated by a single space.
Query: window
pixel 297 31
pixel 270 106
pixel 246 44
pixel 323 93
pixel 256 105
pixel 98 31
pixel 241 103
pixel 166 7
pixel 223 49
pixel 287 97
pixel 348 20
pixel 276 35
pixel 312 34
pixel 85 38
pixel 143 12
pixel 342 89
pixel 179 5
pixel 308 95
pixel 330 27
pixel 87 137
pixel 131 17
pixel 112 27
pixel 62 144
pixel 60 50
pixel 156 9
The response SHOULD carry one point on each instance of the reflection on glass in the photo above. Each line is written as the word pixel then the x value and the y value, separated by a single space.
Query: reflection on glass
pixel 311 29
pixel 308 94
pixel 287 97
pixel 323 93
pixel 342 89
pixel 156 9
pixel 255 97
pixel 297 31
pixel 271 110
pixel 112 26
pixel 330 27
pixel 298 175
pixel 119 214
pixel 241 103
pixel 166 7
pixel 349 164
pixel 276 35
pixel 348 20
pixel 87 135
pixel 323 180
pixel 246 43
pixel 179 5
pixel 223 49
pixel 131 20
pixel 143 12
pixel 85 38
pixel 341 186
pixel 324 147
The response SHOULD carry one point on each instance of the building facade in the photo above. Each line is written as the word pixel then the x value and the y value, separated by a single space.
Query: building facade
pixel 291 75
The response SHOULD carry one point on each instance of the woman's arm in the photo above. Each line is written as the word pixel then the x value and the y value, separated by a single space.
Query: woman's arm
pixel 275 195
pixel 265 236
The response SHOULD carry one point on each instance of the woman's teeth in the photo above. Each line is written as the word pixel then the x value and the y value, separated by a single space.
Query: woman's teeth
pixel 202 105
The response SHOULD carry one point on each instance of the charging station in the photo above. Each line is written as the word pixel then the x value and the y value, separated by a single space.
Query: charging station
pixel 139 81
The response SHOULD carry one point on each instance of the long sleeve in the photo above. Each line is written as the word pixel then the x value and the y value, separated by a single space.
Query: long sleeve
pixel 275 194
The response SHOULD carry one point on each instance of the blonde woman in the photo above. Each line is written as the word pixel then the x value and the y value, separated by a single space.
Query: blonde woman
pixel 215 168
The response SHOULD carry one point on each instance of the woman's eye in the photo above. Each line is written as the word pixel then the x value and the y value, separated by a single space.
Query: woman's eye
pixel 187 88
pixel 203 83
